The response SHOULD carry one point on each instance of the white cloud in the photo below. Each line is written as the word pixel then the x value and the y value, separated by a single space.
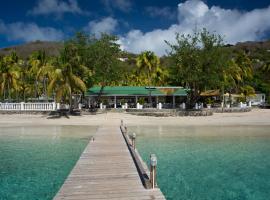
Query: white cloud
pixel 29 32
pixel 234 25
pixel 123 5
pixel 57 7
pixel 191 10
pixel 106 25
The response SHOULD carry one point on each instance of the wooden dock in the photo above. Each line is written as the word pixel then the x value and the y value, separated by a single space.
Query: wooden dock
pixel 106 170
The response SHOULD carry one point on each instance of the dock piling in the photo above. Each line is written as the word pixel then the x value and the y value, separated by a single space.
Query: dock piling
pixel 133 137
pixel 153 173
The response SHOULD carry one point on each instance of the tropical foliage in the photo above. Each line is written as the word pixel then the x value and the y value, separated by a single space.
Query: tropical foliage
pixel 64 81
pixel 148 70
pixel 10 74
pixel 198 61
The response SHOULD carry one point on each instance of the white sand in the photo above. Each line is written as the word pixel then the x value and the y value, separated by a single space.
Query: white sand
pixel 255 117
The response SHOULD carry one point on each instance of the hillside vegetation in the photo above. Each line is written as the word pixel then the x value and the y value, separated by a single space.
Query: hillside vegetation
pixel 53 48
pixel 25 50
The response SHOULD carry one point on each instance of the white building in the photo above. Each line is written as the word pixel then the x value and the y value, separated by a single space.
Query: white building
pixel 257 99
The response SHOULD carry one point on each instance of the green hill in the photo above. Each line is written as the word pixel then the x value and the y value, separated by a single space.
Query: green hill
pixel 24 50
pixel 53 48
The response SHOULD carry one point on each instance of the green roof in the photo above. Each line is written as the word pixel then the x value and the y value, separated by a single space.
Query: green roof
pixel 136 91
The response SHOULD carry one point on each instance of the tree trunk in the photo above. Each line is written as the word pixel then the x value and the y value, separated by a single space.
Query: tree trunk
pixel 230 98
pixel 4 93
pixel 45 88
pixel 223 98
pixel 193 97
pixel 17 95
pixel 9 95
pixel 24 95
pixel 100 93
pixel 150 98
pixel 70 100
pixel 43 82
pixel 150 92
pixel 70 103
pixel 36 89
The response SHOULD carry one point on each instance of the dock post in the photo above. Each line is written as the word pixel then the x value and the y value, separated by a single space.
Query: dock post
pixel 115 102
pixel 22 105
pixel 122 122
pixel 133 140
pixel 153 170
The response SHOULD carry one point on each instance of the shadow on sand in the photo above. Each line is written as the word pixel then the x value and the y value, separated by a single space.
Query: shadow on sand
pixel 63 113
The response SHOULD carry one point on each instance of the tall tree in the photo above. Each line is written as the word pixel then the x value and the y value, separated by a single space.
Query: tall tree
pixel 64 82
pixel 199 62
pixel 148 67
pixel 149 71
pixel 245 65
pixel 44 71
pixel 26 86
pixel 77 54
pixel 244 85
pixel 263 76
pixel 230 79
pixel 36 62
pixel 10 73
pixel 104 54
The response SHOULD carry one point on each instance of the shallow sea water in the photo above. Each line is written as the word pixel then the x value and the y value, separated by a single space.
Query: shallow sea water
pixel 209 163
pixel 35 161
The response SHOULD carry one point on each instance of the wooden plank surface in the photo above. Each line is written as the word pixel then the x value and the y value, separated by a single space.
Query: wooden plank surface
pixel 106 170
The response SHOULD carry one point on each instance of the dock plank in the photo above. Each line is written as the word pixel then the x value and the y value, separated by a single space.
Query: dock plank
pixel 106 170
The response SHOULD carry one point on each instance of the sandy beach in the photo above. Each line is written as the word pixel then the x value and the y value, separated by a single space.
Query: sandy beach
pixel 255 117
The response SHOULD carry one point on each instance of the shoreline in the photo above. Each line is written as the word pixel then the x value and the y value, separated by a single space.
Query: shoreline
pixel 257 117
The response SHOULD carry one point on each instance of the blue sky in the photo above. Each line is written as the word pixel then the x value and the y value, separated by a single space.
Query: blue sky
pixel 140 25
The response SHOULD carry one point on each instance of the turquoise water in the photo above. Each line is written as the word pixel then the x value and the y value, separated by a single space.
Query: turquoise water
pixel 34 161
pixel 215 163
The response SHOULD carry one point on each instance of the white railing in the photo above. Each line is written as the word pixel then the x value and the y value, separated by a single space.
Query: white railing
pixel 29 106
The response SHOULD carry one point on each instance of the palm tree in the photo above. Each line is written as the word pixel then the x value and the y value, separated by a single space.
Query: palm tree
pixel 41 69
pixel 231 78
pixel 64 82
pixel 26 86
pixel 149 70
pixel 266 66
pixel 245 65
pixel 10 74
pixel 247 91
pixel 34 63
pixel 265 69
pixel 148 63
pixel 237 75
